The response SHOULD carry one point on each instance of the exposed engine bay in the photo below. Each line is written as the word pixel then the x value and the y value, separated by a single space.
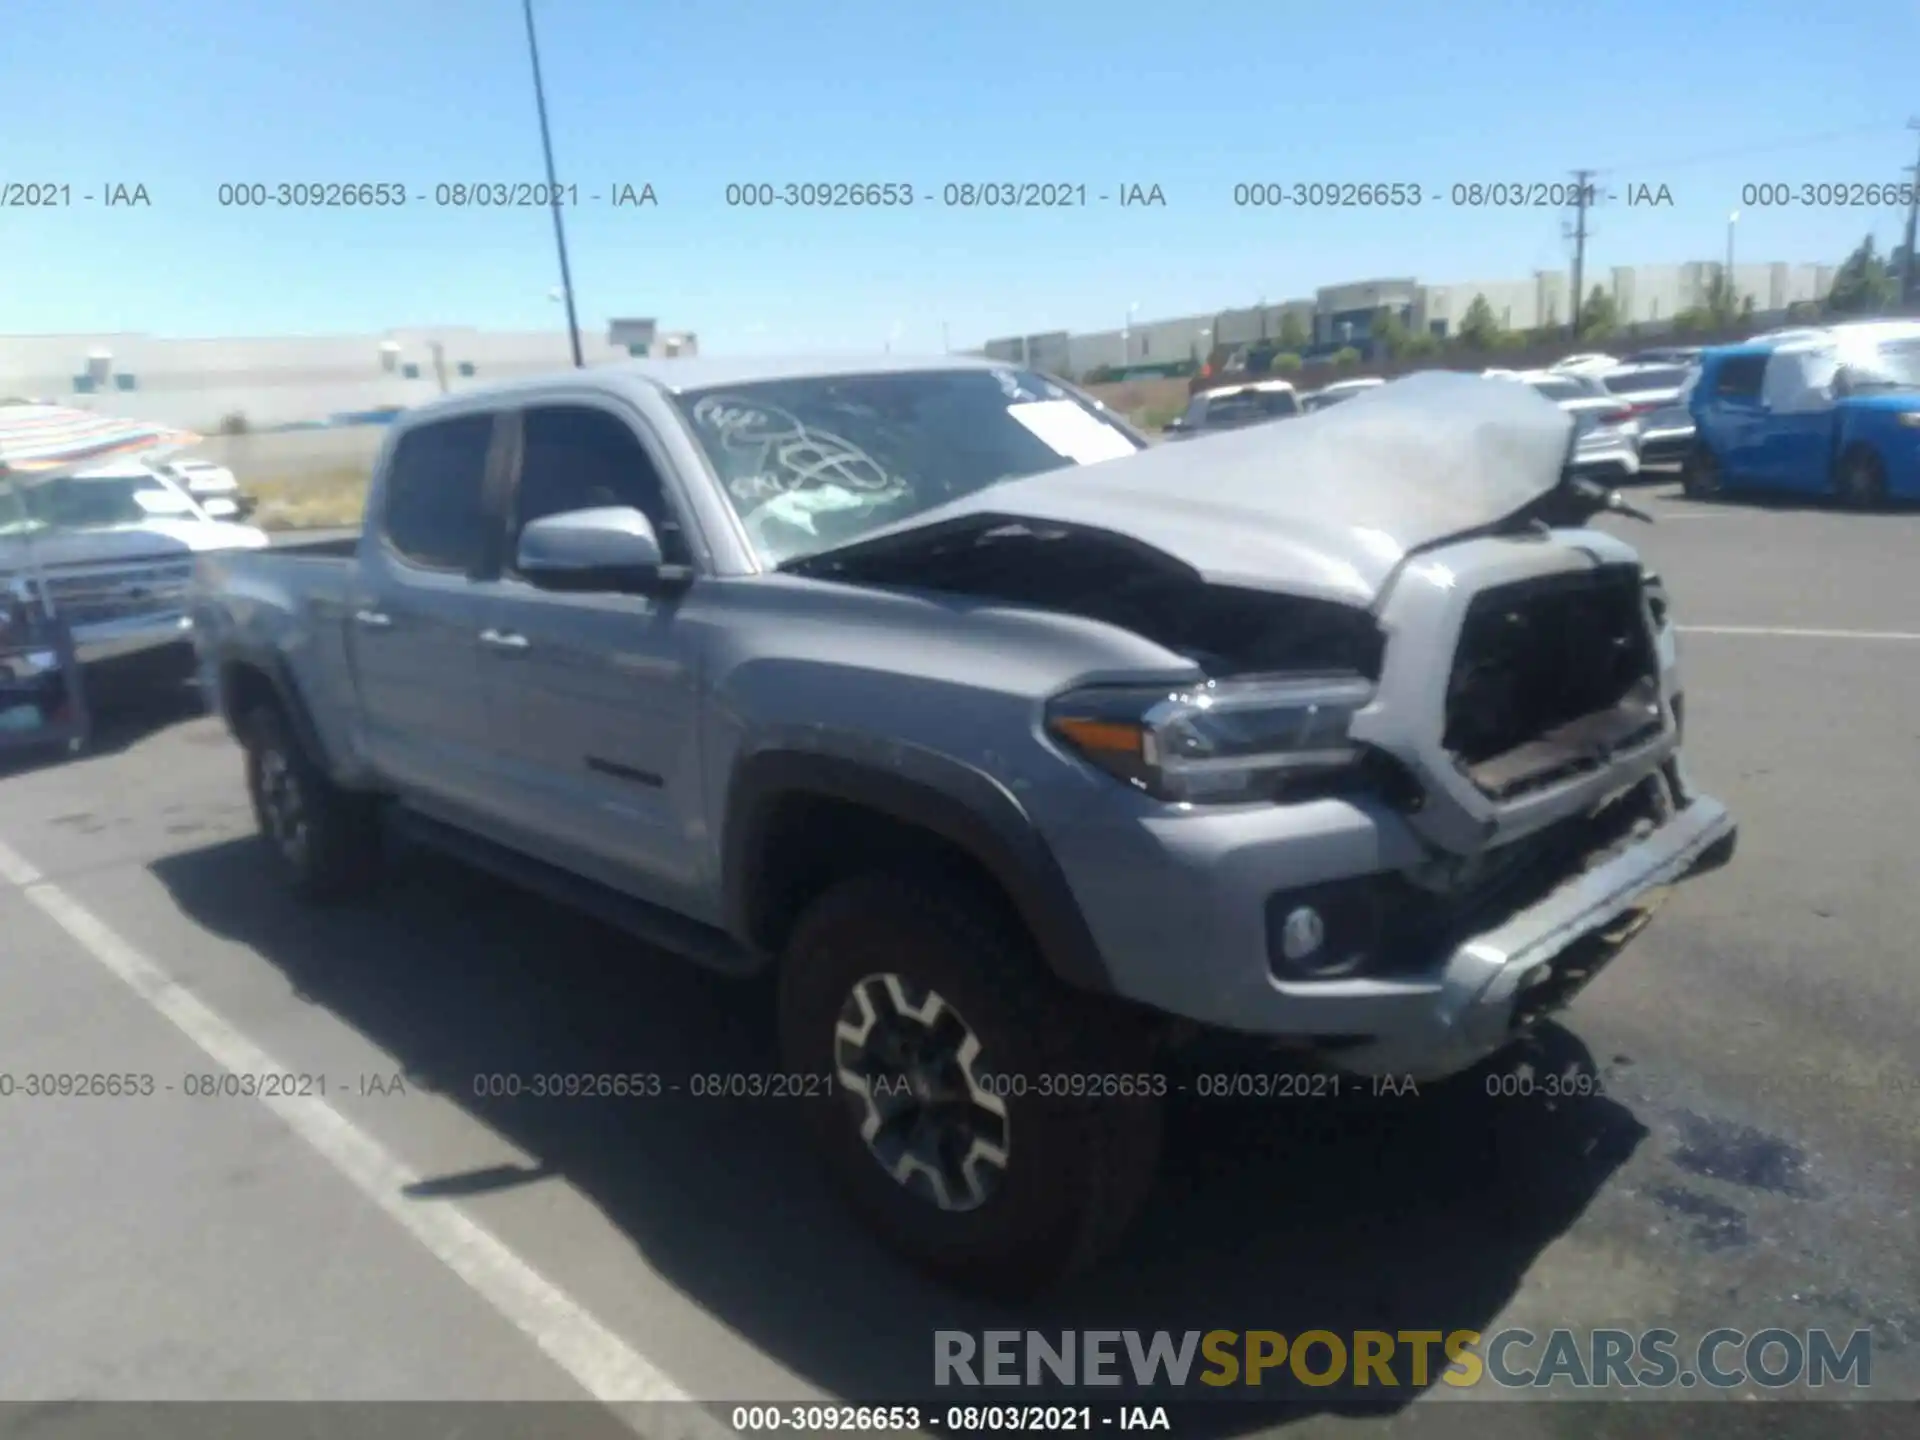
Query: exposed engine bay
pixel 1108 577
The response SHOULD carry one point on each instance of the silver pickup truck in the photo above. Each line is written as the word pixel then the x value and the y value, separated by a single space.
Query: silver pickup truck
pixel 1031 757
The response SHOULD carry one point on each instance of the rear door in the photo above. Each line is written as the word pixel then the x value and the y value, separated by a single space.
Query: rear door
pixel 415 618
pixel 593 696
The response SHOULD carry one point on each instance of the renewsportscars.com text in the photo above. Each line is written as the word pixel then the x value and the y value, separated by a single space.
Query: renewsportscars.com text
pixel 1600 1359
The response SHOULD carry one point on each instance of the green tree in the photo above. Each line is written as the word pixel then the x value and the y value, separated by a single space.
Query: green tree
pixel 1346 357
pixel 1293 332
pixel 1862 284
pixel 1286 363
pixel 1420 345
pixel 1390 331
pixel 1695 320
pixel 1599 317
pixel 1722 305
pixel 1478 328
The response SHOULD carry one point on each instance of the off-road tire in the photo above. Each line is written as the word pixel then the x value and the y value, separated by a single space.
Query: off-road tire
pixel 341 854
pixel 1860 480
pixel 1700 474
pixel 1080 1167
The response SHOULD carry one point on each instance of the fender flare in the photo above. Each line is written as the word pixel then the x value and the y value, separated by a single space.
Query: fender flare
pixel 273 668
pixel 955 802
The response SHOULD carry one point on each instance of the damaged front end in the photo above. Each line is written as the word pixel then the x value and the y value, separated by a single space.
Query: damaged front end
pixel 1283 674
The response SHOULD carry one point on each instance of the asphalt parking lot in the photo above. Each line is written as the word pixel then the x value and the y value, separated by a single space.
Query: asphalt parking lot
pixel 1751 1161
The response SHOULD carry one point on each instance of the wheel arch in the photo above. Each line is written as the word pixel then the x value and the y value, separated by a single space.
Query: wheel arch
pixel 787 809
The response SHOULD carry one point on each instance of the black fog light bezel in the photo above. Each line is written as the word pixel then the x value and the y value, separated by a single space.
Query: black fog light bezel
pixel 1353 914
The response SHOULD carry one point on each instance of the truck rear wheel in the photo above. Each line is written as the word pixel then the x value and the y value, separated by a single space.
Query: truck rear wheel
pixel 327 840
pixel 986 1123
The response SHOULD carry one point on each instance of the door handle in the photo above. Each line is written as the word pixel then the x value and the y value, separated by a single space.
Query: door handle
pixel 372 619
pixel 503 640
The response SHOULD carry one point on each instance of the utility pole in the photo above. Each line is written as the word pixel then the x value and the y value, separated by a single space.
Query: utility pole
pixel 553 190
pixel 1913 224
pixel 1582 193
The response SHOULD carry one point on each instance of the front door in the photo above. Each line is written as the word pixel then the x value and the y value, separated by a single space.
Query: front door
pixel 594 696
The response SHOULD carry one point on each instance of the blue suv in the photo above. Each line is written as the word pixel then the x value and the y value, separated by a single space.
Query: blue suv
pixel 1831 412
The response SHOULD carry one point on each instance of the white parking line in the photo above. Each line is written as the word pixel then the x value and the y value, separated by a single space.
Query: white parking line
pixel 1787 634
pixel 603 1364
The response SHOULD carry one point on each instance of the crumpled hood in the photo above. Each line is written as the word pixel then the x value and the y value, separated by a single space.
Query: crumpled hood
pixel 1327 505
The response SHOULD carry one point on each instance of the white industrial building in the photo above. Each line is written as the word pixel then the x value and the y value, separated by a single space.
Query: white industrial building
pixel 205 384
pixel 1343 314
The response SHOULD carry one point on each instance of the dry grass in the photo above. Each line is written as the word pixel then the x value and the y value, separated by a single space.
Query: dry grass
pixel 322 499
pixel 1148 403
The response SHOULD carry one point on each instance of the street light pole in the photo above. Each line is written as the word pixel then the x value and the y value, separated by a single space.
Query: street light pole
pixel 553 189
pixel 1733 301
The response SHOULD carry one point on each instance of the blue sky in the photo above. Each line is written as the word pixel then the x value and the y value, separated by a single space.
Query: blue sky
pixel 186 95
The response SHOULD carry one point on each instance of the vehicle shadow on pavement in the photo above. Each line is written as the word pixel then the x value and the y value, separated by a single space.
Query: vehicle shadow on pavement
pixel 1785 503
pixel 1358 1213
pixel 121 719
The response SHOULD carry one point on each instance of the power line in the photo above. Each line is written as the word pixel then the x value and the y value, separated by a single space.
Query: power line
pixel 1748 151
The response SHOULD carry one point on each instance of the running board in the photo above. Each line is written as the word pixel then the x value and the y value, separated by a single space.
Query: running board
pixel 702 944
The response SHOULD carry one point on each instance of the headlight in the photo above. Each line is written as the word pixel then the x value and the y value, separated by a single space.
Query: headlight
pixel 1214 743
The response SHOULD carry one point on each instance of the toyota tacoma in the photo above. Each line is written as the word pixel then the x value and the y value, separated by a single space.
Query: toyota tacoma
pixel 1026 755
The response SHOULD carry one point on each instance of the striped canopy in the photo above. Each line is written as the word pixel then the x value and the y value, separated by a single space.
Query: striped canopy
pixel 44 440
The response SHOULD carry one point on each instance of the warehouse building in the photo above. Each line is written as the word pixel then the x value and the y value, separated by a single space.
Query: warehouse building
pixel 260 384
pixel 1341 315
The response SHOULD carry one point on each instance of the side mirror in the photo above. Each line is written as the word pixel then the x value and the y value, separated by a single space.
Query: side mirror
pixel 612 549
pixel 1176 426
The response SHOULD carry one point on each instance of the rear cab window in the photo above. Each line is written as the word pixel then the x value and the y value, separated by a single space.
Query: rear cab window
pixel 435 512
pixel 1739 377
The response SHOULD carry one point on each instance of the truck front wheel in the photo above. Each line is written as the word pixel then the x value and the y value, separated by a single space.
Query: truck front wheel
pixel 326 839
pixel 986 1123
pixel 1861 479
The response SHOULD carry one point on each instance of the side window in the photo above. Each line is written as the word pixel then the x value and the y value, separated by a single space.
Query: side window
pixel 435 513
pixel 576 457
pixel 1740 377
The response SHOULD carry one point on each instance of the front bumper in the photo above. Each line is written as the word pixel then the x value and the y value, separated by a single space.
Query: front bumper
pixel 1618 461
pixel 117 639
pixel 1493 986
pixel 1182 922
pixel 1659 447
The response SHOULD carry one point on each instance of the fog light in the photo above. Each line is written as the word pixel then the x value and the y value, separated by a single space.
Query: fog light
pixel 1302 934
pixel 1323 932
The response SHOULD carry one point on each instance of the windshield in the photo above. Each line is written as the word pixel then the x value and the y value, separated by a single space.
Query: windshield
pixel 91 502
pixel 1251 406
pixel 1887 364
pixel 1668 379
pixel 818 461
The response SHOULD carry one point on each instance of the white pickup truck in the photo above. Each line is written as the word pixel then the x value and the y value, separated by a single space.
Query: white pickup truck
pixel 114 549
